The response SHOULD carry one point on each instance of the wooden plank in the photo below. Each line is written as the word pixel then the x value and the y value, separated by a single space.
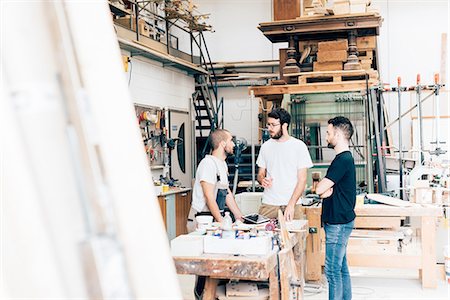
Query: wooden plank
pixel 274 287
pixel 366 42
pixel 327 66
pixel 313 266
pixel 389 200
pixel 334 76
pixel 311 27
pixel 378 234
pixel 428 236
pixel 336 73
pixel 210 288
pixel 250 267
pixel 283 58
pixel 333 45
pixel 386 210
pixel 395 260
pixel 312 88
pixel 288 267
pixel 328 56
pixel 285 10
pixel 378 222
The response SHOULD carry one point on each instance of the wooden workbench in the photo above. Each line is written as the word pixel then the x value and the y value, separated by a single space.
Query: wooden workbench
pixel 424 260
pixel 248 267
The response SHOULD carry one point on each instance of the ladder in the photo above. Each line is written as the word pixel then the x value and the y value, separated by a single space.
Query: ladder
pixel 207 107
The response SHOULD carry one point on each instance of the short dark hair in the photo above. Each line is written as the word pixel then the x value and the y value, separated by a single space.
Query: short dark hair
pixel 217 136
pixel 343 124
pixel 281 114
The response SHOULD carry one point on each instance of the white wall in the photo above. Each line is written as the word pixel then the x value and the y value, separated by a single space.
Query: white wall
pixel 239 114
pixel 236 36
pixel 155 85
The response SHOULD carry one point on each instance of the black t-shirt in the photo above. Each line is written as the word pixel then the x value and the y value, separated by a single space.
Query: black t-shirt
pixel 339 207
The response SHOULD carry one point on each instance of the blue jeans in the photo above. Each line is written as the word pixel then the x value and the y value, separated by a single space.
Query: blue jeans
pixel 336 269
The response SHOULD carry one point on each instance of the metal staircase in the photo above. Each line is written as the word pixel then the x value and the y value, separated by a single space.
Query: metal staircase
pixel 208 109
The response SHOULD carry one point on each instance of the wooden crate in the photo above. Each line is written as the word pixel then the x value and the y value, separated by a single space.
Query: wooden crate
pixel 335 76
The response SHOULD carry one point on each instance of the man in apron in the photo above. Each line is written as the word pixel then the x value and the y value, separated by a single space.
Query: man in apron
pixel 211 191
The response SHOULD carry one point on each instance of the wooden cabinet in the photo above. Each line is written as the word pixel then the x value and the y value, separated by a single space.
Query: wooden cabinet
pixel 182 207
pixel 175 209
pixel 162 206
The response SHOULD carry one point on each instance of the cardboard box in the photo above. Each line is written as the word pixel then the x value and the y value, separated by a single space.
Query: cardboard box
pixel 327 56
pixel 254 246
pixel 333 45
pixel 328 66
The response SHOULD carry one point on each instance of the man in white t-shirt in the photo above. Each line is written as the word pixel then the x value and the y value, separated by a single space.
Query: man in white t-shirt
pixel 283 162
pixel 211 190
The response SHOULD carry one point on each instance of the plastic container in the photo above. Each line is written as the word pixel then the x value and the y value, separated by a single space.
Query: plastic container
pixel 204 222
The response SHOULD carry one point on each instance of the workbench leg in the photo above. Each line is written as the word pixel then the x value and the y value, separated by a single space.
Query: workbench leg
pixel 428 234
pixel 274 288
pixel 210 288
pixel 313 263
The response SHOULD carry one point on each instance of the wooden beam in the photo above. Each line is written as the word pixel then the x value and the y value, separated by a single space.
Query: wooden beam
pixel 311 88
pixel 400 261
pixel 386 210
pixel 314 27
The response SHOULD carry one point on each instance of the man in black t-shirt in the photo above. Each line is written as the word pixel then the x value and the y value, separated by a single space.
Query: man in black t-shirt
pixel 338 191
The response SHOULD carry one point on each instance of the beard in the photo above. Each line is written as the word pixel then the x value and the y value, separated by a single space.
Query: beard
pixel 277 135
pixel 229 152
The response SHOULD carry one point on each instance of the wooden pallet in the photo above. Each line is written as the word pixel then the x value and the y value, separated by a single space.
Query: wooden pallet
pixel 336 76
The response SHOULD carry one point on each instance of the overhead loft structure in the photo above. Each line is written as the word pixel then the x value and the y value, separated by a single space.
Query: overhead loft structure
pixel 327 70
pixel 158 30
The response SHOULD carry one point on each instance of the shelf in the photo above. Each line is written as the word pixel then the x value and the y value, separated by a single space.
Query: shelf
pixel 137 48
pixel 315 28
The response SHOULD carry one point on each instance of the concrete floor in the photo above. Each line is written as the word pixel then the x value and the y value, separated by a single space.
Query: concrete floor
pixel 367 284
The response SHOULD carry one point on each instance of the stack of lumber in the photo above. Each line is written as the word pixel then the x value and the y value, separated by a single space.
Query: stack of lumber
pixel 331 55
pixel 366 45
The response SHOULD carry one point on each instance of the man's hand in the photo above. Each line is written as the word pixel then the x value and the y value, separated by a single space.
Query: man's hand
pixel 289 213
pixel 327 193
pixel 267 182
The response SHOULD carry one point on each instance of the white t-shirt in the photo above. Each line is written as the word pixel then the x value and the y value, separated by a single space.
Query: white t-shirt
pixel 207 171
pixel 282 160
